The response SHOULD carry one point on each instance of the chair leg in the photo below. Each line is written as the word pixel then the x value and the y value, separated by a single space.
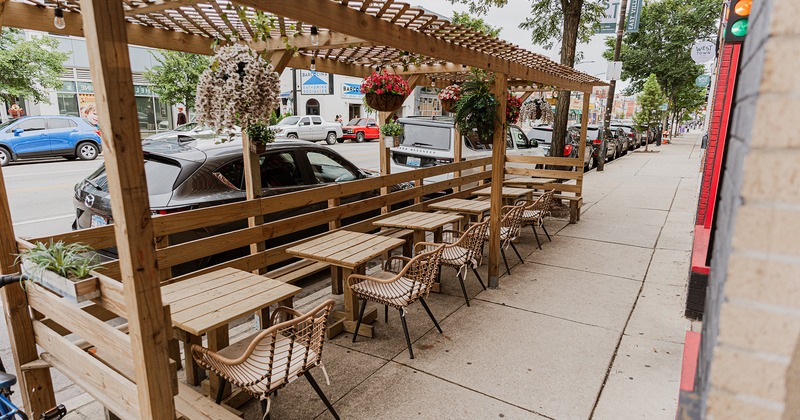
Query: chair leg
pixel 321 395
pixel 385 313
pixel 264 410
pixel 536 234
pixel 505 260
pixel 545 232
pixel 463 288
pixel 430 314
pixel 405 330
pixel 221 390
pixel 480 280
pixel 360 316
pixel 517 252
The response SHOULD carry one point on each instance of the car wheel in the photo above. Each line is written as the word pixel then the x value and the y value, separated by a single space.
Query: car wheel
pixel 291 136
pixel 360 137
pixel 331 139
pixel 340 140
pixel 5 157
pixel 87 151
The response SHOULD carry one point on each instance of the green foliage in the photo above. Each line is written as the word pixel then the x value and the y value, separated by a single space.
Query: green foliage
pixel 546 21
pixel 391 129
pixel 29 68
pixel 68 260
pixel 476 23
pixel 260 133
pixel 275 118
pixel 650 100
pixel 174 79
pixel 476 110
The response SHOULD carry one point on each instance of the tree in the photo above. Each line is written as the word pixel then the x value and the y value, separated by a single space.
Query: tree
pixel 29 68
pixel 476 23
pixel 174 79
pixel 551 21
pixel 662 46
pixel 650 100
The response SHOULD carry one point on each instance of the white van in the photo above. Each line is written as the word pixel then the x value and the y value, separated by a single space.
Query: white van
pixel 428 141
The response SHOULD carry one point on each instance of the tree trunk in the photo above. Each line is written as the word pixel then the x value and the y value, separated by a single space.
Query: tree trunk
pixel 569 39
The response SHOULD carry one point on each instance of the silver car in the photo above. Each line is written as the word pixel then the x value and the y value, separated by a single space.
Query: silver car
pixel 192 129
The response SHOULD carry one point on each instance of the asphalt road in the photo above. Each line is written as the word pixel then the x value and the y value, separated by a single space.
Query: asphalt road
pixel 40 192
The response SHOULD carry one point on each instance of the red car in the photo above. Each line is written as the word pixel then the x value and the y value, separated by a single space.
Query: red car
pixel 360 129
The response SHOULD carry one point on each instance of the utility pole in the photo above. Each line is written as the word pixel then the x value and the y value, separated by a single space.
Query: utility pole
pixel 601 159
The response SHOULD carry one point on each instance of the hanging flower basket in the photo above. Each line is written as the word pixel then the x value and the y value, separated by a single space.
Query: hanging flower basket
pixel 384 91
pixel 449 96
pixel 384 102
pixel 239 88
pixel 447 105
pixel 513 105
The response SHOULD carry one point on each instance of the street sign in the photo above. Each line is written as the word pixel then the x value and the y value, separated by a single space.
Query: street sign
pixel 703 51
pixel 608 23
pixel 702 80
pixel 663 107
pixel 634 16
pixel 614 70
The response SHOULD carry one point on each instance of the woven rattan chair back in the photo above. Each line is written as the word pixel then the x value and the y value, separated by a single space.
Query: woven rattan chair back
pixel 473 242
pixel 511 224
pixel 276 356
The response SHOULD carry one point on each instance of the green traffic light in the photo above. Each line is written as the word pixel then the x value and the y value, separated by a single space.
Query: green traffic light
pixel 739 28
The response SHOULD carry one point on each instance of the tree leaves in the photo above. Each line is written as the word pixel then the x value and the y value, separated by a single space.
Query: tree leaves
pixel 174 79
pixel 29 68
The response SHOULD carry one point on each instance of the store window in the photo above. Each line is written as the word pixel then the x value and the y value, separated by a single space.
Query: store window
pixel 312 107
pixel 429 107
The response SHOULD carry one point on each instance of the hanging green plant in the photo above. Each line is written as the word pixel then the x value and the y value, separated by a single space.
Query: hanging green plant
pixel 475 111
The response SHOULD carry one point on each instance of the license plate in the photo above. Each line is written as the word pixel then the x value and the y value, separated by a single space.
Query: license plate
pixel 413 161
pixel 98 221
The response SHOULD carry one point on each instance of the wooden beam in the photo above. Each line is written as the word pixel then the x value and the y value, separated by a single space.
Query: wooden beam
pixel 498 163
pixel 526 95
pixel 25 16
pixel 159 7
pixel 107 44
pixel 2 9
pixel 280 59
pixel 343 19
pixel 327 40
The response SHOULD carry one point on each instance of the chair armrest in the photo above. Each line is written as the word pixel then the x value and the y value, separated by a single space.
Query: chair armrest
pixel 283 309
pixel 358 278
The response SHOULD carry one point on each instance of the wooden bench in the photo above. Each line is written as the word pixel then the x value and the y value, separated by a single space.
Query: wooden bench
pixel 297 270
pixel 191 404
pixel 575 204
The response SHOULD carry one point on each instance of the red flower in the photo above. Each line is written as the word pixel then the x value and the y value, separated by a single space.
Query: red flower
pixel 385 83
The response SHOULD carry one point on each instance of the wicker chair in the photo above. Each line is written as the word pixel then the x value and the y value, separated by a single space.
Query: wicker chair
pixel 510 227
pixel 403 282
pixel 274 357
pixel 462 250
pixel 535 213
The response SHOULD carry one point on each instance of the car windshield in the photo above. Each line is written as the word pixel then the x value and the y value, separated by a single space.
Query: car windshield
pixel 426 136
pixel 186 127
pixel 355 121
pixel 289 121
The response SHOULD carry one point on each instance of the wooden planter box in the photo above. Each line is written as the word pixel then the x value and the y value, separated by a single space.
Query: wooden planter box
pixel 73 290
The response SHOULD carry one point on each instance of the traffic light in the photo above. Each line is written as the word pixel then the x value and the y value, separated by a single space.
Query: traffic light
pixel 739 12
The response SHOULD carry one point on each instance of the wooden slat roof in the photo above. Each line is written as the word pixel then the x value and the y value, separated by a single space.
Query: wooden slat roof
pixel 355 36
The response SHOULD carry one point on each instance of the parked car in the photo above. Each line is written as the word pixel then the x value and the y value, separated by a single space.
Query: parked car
pixel 360 129
pixel 186 175
pixel 634 136
pixel 308 127
pixel 429 141
pixel 543 134
pixel 622 139
pixel 48 136
pixel 607 149
pixel 192 129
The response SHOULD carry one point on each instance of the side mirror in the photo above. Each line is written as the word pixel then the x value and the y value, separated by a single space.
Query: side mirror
pixel 534 143
pixel 18 131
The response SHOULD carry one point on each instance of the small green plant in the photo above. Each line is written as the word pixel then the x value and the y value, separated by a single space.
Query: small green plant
pixel 74 261
pixel 260 133
pixel 392 129
pixel 475 110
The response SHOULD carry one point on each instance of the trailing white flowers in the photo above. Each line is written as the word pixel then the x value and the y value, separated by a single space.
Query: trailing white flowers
pixel 239 88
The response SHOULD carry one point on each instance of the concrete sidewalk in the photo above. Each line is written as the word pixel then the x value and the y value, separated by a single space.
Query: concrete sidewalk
pixel 589 327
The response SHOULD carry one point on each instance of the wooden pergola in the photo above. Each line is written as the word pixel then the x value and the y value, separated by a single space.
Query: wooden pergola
pixel 355 37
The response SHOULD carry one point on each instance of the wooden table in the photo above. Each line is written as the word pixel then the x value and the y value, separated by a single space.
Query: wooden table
pixel 529 182
pixel 510 194
pixel 349 252
pixel 206 304
pixel 473 208
pixel 420 222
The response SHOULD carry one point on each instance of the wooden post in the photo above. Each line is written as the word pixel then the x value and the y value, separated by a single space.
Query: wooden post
pixel 582 147
pixel 457 153
pixel 253 190
pixel 107 43
pixel 498 173
pixel 385 156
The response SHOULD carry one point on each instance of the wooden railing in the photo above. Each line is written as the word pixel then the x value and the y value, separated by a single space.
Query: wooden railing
pixel 568 181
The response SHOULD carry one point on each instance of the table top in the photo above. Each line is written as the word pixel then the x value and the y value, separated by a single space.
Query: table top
pixel 507 192
pixel 209 301
pixel 418 220
pixel 345 249
pixel 463 205
pixel 529 181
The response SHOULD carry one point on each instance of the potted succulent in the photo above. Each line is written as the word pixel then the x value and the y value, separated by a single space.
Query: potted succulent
pixel 449 96
pixel 385 91
pixel 260 135
pixel 391 130
pixel 63 268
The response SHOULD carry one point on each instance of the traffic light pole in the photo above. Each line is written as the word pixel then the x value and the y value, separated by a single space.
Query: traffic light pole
pixel 601 159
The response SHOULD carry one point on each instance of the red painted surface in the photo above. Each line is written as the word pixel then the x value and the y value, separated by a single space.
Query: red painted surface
pixel 361 125
pixel 691 347
pixel 700 249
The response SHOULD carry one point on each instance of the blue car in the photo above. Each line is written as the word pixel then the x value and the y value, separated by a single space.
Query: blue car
pixel 48 136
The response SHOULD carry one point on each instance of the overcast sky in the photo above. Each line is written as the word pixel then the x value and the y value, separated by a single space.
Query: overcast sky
pixel 509 18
